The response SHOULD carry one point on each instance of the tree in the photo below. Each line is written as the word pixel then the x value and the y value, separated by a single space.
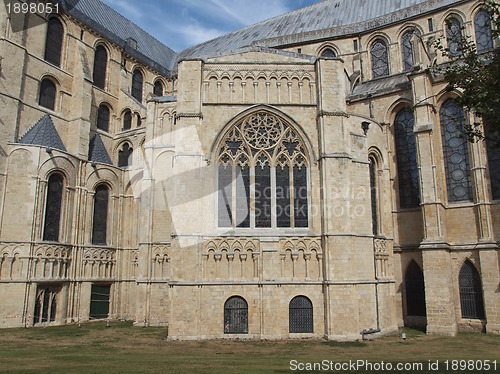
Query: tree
pixel 476 74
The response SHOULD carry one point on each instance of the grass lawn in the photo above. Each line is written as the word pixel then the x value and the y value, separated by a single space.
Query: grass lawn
pixel 122 348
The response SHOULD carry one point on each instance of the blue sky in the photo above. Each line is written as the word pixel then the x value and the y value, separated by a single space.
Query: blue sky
pixel 183 23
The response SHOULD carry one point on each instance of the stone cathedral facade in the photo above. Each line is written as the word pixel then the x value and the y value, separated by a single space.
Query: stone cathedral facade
pixel 301 177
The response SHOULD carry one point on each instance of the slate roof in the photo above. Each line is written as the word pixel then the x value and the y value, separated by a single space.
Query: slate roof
pixel 119 29
pixel 326 19
pixel 43 133
pixel 98 152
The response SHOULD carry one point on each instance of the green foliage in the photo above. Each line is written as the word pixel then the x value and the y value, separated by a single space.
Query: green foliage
pixel 477 77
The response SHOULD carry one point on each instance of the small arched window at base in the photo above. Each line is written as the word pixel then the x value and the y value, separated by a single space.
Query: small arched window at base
pixel 236 316
pixel 301 315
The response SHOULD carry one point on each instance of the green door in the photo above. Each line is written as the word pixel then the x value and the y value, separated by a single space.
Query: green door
pixel 99 302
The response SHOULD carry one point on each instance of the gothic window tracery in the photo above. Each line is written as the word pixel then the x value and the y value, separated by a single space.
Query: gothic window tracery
pixel 482 26
pixel 328 52
pixel 454 36
pixel 456 154
pixel 46 305
pixel 406 155
pixel 407 50
pixel 379 58
pixel 264 151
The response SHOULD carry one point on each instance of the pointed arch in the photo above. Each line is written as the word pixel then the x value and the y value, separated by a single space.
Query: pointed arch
pixel 415 290
pixel 471 292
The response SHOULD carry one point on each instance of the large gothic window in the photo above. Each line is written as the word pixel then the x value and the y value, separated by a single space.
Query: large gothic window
pixel 471 292
pixel 137 82
pixel 379 58
pixel 103 118
pixel 54 41
pixel 100 65
pixel 407 50
pixel 100 221
pixel 236 316
pixel 264 152
pixel 53 208
pixel 482 26
pixel 454 36
pixel 406 155
pixel 415 290
pixel 47 96
pixel 301 315
pixel 456 155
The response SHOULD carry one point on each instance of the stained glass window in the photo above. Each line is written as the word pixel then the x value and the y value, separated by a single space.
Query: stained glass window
pixel 137 82
pixel 236 316
pixel 100 66
pixel 415 290
pixel 407 50
pixel 301 315
pixel 265 146
pixel 53 208
pixel 471 292
pixel 48 92
pixel 454 36
pixel 456 154
pixel 103 118
pixel 379 58
pixel 100 221
pixel 54 41
pixel 482 26
pixel 406 155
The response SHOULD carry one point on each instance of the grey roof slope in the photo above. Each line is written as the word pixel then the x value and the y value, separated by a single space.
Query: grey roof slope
pixel 331 17
pixel 98 152
pixel 118 29
pixel 43 133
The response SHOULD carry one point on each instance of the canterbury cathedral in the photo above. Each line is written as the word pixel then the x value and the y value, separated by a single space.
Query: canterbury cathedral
pixel 303 177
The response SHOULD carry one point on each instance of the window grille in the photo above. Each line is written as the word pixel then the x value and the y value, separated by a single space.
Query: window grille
pixel 328 52
pixel 454 36
pixel 406 155
pixel 301 315
pixel 415 291
pixel 265 146
pixel 158 89
pixel 482 26
pixel 137 82
pixel 100 66
pixel 236 316
pixel 103 118
pixel 471 292
pixel 53 208
pixel 100 221
pixel 379 58
pixel 47 97
pixel 456 155
pixel 407 50
pixel 54 41
pixel 127 120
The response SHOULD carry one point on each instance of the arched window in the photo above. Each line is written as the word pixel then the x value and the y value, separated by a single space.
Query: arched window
pixel 158 89
pixel 328 52
pixel 125 156
pixel 48 92
pixel 471 292
pixel 46 305
pixel 374 194
pixel 53 208
pixel 100 221
pixel 407 50
pixel 100 66
pixel 301 315
pixel 454 36
pixel 137 82
pixel 415 290
pixel 263 145
pixel 482 26
pixel 406 155
pixel 103 118
pixel 54 41
pixel 379 58
pixel 236 316
pixel 456 155
pixel 139 120
pixel 127 120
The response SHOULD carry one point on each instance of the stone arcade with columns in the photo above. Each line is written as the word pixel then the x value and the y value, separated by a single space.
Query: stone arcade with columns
pixel 301 177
